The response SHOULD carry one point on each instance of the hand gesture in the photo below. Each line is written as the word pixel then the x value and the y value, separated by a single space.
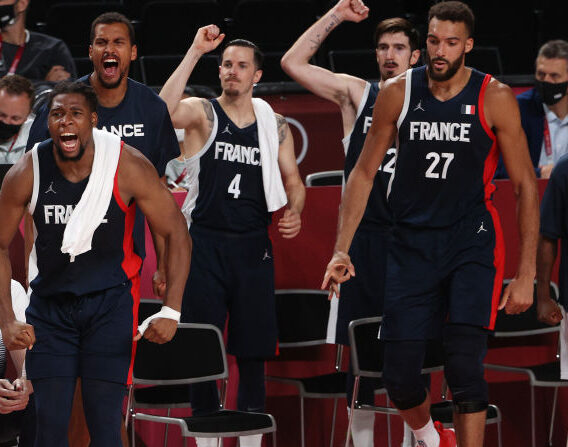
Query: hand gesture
pixel 351 10
pixel 13 397
pixel 289 225
pixel 159 283
pixel 338 271
pixel 548 311
pixel 207 39
pixel 160 330
pixel 518 296
pixel 18 335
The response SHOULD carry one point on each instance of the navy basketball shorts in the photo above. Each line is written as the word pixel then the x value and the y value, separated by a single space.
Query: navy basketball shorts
pixel 88 336
pixel 233 273
pixel 443 275
pixel 363 295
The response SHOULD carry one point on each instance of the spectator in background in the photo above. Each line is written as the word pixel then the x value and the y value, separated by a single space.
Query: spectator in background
pixel 544 109
pixel 36 56
pixel 176 170
pixel 16 98
pixel 17 410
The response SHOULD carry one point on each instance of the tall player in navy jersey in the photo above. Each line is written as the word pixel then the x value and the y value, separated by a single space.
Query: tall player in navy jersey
pixel 446 256
pixel 227 209
pixel 396 50
pixel 82 318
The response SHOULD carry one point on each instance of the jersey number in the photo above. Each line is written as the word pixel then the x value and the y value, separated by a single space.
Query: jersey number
pixel 389 165
pixel 435 157
pixel 234 186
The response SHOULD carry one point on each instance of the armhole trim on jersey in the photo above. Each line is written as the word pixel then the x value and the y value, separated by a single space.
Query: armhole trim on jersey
pixel 480 104
pixel 35 190
pixel 115 190
pixel 347 138
pixel 407 91
pixel 209 140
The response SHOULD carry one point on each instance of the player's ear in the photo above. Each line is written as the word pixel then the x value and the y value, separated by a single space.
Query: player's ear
pixel 468 44
pixel 257 76
pixel 94 119
pixel 414 56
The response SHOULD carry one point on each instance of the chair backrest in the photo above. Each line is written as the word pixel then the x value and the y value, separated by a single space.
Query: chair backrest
pixel 367 350
pixel 486 59
pixel 361 63
pixel 302 317
pixel 526 323
pixel 147 307
pixel 325 178
pixel 156 69
pixel 195 354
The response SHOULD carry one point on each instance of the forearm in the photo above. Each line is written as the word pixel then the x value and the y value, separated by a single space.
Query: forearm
pixel 546 256
pixel 178 248
pixel 160 249
pixel 309 42
pixel 296 194
pixel 6 311
pixel 528 225
pixel 18 357
pixel 352 207
pixel 174 87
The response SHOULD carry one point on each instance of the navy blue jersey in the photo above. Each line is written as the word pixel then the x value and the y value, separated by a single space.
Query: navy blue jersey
pixel 111 260
pixel 446 157
pixel 554 219
pixel 377 213
pixel 227 192
pixel 142 121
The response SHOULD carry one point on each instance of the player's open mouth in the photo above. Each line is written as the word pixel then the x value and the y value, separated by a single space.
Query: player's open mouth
pixel 110 66
pixel 69 141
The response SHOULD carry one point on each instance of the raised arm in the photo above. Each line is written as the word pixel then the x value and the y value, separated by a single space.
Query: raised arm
pixel 289 225
pixel 188 113
pixel 344 90
pixel 165 219
pixel 379 139
pixel 14 197
pixel 502 113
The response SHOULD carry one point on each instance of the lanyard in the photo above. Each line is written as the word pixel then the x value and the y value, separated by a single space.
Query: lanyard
pixel 17 57
pixel 547 142
pixel 13 142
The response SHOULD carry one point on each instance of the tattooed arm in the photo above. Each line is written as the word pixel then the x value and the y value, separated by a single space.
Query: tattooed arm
pixel 289 225
pixel 344 90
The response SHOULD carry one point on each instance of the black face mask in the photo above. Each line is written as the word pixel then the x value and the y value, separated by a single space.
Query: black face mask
pixel 7 15
pixel 7 131
pixel 551 93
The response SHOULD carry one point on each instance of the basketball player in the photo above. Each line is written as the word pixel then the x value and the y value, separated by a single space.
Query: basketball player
pixel 396 42
pixel 82 316
pixel 446 258
pixel 227 209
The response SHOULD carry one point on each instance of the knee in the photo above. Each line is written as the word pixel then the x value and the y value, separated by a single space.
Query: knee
pixel 401 373
pixel 466 347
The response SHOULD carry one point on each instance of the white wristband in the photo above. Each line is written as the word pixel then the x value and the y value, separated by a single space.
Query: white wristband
pixel 165 312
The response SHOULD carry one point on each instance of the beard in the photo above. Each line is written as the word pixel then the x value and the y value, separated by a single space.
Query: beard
pixel 111 85
pixel 64 157
pixel 452 67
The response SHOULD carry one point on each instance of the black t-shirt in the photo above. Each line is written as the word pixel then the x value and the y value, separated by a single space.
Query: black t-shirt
pixel 41 52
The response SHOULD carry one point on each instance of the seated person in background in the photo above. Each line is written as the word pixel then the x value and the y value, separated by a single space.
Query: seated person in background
pixel 36 56
pixel 17 416
pixel 544 109
pixel 16 99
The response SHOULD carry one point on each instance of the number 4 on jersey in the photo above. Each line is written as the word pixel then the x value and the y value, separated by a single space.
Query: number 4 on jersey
pixel 234 186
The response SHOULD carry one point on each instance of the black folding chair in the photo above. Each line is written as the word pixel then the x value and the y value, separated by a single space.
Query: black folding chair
pixel 195 354
pixel 546 375
pixel 325 178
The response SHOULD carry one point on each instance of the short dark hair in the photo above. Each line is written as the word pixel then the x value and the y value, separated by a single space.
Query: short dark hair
pixel 554 49
pixel 109 18
pixel 17 85
pixel 453 11
pixel 68 87
pixel 397 25
pixel 258 56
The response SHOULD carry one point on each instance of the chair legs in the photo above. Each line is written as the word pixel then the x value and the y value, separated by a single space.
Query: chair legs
pixel 133 428
pixel 166 432
pixel 533 427
pixel 333 421
pixel 551 431
pixel 351 412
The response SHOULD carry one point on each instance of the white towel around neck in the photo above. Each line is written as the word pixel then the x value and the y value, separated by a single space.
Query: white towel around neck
pixel 91 209
pixel 268 146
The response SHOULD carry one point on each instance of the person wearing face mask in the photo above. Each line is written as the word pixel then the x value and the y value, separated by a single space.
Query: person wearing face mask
pixel 36 56
pixel 16 98
pixel 544 109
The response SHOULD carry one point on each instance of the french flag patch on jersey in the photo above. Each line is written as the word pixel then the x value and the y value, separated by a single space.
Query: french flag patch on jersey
pixel 468 109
